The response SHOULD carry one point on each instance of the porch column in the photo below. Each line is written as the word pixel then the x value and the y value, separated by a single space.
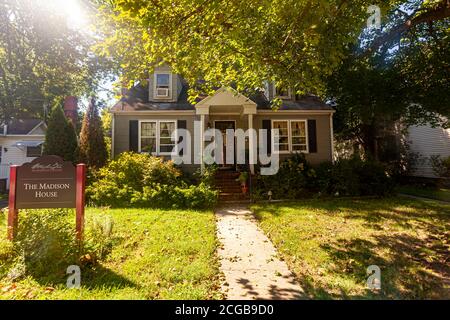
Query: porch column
pixel 202 142
pixel 250 109
pixel 251 144
pixel 203 111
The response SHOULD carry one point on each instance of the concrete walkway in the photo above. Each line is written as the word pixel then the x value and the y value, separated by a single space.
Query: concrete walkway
pixel 249 259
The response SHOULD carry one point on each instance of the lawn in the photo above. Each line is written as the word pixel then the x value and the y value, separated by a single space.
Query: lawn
pixel 329 244
pixel 155 255
pixel 432 193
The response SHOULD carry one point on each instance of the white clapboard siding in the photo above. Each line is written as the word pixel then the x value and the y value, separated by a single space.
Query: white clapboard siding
pixel 428 141
pixel 14 155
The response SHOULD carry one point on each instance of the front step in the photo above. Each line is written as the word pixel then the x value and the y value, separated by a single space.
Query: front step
pixel 230 187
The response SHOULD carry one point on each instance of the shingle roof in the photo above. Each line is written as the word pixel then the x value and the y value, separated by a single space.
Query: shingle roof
pixel 22 126
pixel 137 100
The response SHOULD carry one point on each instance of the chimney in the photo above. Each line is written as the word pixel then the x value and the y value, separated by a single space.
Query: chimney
pixel 71 109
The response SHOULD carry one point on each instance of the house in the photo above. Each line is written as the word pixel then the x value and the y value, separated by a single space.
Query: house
pixel 145 117
pixel 20 141
pixel 426 141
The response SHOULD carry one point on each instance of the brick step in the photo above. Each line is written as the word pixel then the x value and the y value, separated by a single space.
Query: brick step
pixel 237 191
pixel 228 184
pixel 233 197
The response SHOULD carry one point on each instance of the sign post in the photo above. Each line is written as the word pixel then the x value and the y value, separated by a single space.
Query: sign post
pixel 12 210
pixel 46 182
pixel 80 200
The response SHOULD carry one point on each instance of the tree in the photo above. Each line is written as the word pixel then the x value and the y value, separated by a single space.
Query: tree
pixel 42 58
pixel 93 150
pixel 60 138
pixel 294 43
pixel 402 79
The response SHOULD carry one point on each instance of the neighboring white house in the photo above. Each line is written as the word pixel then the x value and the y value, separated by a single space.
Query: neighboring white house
pixel 427 141
pixel 20 141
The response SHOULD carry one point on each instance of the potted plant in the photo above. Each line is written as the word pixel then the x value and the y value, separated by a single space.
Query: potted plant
pixel 243 177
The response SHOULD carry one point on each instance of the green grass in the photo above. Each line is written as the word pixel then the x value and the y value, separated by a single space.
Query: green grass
pixel 155 255
pixel 329 244
pixel 432 193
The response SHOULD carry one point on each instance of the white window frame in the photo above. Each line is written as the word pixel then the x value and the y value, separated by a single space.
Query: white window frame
pixel 158 136
pixel 288 97
pixel 306 136
pixel 155 77
pixel 289 121
pixel 28 156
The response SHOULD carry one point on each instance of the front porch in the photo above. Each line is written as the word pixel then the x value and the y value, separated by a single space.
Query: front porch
pixel 226 110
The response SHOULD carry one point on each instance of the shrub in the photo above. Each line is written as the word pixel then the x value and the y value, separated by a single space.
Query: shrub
pixel 117 183
pixel 292 180
pixel 60 138
pixel 140 180
pixel 93 150
pixel 347 177
pixel 441 166
pixel 46 245
pixel 165 196
pixel 353 177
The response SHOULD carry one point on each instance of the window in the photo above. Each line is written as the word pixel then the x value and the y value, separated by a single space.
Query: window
pixel 298 134
pixel 283 136
pixel 34 152
pixel 148 137
pixel 1 153
pixel 282 92
pixel 166 144
pixel 163 83
pixel 155 137
pixel 292 135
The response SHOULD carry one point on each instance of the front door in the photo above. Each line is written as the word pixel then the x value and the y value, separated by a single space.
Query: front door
pixel 223 126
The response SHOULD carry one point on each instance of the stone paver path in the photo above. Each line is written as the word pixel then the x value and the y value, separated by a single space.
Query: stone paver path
pixel 249 259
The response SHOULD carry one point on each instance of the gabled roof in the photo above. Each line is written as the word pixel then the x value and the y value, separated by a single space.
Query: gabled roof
pixel 137 100
pixel 23 126
pixel 226 96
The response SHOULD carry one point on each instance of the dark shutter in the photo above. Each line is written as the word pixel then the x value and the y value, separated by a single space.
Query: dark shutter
pixel 134 135
pixel 181 124
pixel 267 125
pixel 312 136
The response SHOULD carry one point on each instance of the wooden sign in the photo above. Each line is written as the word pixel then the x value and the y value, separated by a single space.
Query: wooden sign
pixel 46 182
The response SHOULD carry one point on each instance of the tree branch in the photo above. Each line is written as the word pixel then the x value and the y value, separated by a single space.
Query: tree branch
pixel 440 12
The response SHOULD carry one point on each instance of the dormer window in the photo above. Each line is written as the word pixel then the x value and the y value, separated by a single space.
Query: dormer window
pixel 282 92
pixel 163 85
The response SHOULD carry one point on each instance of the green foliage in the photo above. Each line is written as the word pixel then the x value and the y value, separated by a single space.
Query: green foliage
pixel 60 138
pixel 46 245
pixel 297 179
pixel 353 177
pixel 42 58
pixel 141 180
pixel 168 196
pixel 404 80
pixel 93 150
pixel 292 180
pixel 441 166
pixel 291 42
